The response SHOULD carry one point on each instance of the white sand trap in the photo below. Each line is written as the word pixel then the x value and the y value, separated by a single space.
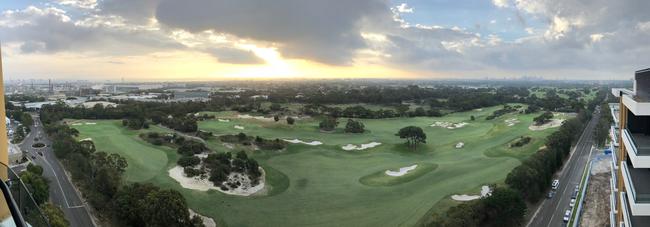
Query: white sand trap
pixel 261 118
pixel 91 123
pixel 511 122
pixel 86 139
pixel 228 145
pixel 312 143
pixel 448 125
pixel 239 127
pixel 478 110
pixel 460 145
pixel 350 147
pixel 76 124
pixel 402 171
pixel 485 191
pixel 554 123
pixel 207 221
pixel 223 120
pixel 196 183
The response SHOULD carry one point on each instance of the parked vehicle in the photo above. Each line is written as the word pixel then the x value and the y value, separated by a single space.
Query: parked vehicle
pixel 555 184
pixel 572 203
pixel 567 215
pixel 574 195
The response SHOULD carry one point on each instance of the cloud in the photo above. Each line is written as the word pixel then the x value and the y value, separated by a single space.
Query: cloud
pixel 501 3
pixel 404 8
pixel 235 56
pixel 316 30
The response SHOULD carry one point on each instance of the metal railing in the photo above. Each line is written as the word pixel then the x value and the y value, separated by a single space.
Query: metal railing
pixel 626 174
pixel 24 210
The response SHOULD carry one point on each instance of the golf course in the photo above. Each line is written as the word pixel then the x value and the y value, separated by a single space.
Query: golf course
pixel 316 182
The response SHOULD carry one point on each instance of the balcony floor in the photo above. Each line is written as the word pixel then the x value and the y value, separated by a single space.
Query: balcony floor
pixel 641 183
pixel 638 220
pixel 642 142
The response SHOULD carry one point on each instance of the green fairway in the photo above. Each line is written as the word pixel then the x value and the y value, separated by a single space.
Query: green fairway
pixel 325 185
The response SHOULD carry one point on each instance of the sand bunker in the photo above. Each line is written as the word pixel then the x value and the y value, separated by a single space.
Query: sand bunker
pixel 511 122
pixel 86 139
pixel 239 127
pixel 197 183
pixel 485 191
pixel 350 147
pixel 91 123
pixel 460 145
pixel 402 171
pixel 207 221
pixel 551 124
pixel 448 125
pixel 223 120
pixel 312 143
pixel 76 124
pixel 261 118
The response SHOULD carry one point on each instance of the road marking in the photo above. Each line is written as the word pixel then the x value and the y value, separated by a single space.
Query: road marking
pixel 58 182
pixel 80 206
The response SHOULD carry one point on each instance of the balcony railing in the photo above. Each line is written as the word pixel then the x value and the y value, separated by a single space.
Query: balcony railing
pixel 640 143
pixel 18 198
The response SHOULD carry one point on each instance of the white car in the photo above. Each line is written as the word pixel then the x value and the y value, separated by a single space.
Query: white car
pixel 567 215
pixel 572 203
pixel 555 184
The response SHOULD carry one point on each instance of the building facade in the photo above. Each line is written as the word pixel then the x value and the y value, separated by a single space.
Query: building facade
pixel 631 154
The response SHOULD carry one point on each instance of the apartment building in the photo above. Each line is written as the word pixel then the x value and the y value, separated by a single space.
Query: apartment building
pixel 631 159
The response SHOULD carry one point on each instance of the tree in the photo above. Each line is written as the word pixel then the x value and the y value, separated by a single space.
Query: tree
pixel 290 120
pixel 413 135
pixel 37 185
pixel 354 126
pixel 328 124
pixel 276 118
pixel 471 118
pixel 544 118
pixel 54 215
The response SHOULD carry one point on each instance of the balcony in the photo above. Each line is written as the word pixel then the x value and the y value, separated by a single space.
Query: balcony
pixel 638 148
pixel 17 206
pixel 637 105
pixel 629 219
pixel 618 91
pixel 614 134
pixel 614 110
pixel 637 188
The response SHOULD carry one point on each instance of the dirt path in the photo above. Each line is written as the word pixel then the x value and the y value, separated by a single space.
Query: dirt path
pixel 596 205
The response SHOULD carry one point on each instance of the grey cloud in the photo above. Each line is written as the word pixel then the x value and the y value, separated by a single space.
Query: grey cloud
pixel 324 31
pixel 234 56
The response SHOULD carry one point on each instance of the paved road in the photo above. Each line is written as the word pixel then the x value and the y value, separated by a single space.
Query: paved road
pixel 551 211
pixel 62 192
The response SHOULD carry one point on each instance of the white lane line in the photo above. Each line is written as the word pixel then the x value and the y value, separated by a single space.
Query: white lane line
pixel 58 182
pixel 72 207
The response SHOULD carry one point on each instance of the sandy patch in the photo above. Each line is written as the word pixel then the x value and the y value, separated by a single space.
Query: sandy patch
pixel 261 118
pixel 448 125
pixel 478 110
pixel 207 221
pixel 239 127
pixel 485 191
pixel 86 139
pixel 460 145
pixel 223 120
pixel 91 123
pixel 511 122
pixel 76 124
pixel 228 145
pixel 350 147
pixel 402 171
pixel 203 184
pixel 554 123
pixel 312 143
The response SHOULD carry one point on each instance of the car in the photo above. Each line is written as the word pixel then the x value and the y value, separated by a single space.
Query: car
pixel 567 215
pixel 33 157
pixel 40 153
pixel 574 195
pixel 572 203
pixel 577 188
pixel 550 194
pixel 555 184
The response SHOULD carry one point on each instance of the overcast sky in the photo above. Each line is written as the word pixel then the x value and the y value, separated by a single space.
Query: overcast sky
pixel 225 39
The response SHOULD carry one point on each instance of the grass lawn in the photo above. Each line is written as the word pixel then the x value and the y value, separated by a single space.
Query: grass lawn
pixel 327 186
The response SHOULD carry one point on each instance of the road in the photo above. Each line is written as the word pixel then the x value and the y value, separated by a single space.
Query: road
pixel 551 211
pixel 62 192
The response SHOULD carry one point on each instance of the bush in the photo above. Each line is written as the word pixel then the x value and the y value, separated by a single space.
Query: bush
pixel 186 161
pixel 354 126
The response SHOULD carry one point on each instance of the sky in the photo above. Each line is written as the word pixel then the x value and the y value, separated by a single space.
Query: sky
pixel 202 40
